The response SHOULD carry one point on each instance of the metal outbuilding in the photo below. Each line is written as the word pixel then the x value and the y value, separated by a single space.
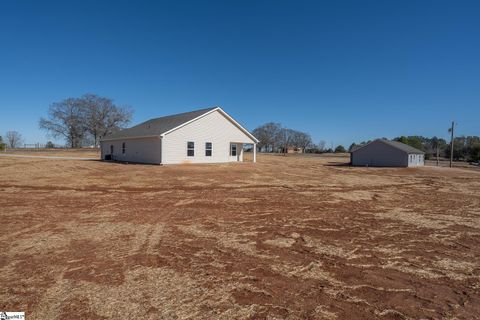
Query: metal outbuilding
pixel 386 153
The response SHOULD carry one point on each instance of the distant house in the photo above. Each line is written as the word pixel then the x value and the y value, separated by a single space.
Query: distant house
pixel 294 150
pixel 386 153
pixel 201 136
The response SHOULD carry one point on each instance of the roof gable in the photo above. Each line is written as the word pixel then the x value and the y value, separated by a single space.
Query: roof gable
pixel 164 125
pixel 224 114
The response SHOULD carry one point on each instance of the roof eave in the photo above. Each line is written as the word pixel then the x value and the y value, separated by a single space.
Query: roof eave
pixel 131 137
pixel 251 136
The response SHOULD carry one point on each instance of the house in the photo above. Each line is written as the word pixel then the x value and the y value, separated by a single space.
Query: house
pixel 295 150
pixel 201 136
pixel 386 153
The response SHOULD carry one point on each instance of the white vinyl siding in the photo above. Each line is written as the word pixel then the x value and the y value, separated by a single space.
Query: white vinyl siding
pixel 214 128
pixel 141 150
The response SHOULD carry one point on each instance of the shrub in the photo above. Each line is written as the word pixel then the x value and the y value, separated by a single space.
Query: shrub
pixel 340 149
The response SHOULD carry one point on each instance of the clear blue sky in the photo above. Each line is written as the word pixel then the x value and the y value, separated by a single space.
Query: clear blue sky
pixel 341 70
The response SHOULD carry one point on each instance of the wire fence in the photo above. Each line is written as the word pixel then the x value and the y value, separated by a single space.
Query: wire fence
pixel 32 146
pixel 41 146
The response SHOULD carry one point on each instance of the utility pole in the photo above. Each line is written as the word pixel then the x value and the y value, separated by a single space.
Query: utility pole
pixel 451 143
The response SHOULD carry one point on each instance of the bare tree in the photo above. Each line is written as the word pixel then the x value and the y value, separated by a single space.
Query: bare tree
pixel 269 135
pixel 285 138
pixel 65 121
pixel 85 119
pixel 301 140
pixel 102 117
pixel 14 139
pixel 274 136
pixel 321 145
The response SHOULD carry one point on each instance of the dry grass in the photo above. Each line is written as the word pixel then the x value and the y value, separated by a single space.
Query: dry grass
pixel 287 238
pixel 79 153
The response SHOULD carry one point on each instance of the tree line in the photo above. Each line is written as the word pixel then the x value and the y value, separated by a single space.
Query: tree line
pixel 466 148
pixel 83 121
pixel 276 138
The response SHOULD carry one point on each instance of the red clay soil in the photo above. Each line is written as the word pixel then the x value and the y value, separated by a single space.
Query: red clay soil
pixel 287 238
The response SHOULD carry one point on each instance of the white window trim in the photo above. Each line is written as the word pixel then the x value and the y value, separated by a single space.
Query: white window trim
pixel 193 149
pixel 231 150
pixel 211 149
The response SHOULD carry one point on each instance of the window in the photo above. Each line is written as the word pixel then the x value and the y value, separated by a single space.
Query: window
pixel 190 148
pixel 208 149
pixel 233 150
pixel 123 148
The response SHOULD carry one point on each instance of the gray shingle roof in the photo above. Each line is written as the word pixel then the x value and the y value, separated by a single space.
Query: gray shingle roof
pixel 396 144
pixel 158 126
pixel 403 147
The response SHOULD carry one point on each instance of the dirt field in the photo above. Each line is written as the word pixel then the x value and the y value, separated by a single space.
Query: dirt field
pixel 286 238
